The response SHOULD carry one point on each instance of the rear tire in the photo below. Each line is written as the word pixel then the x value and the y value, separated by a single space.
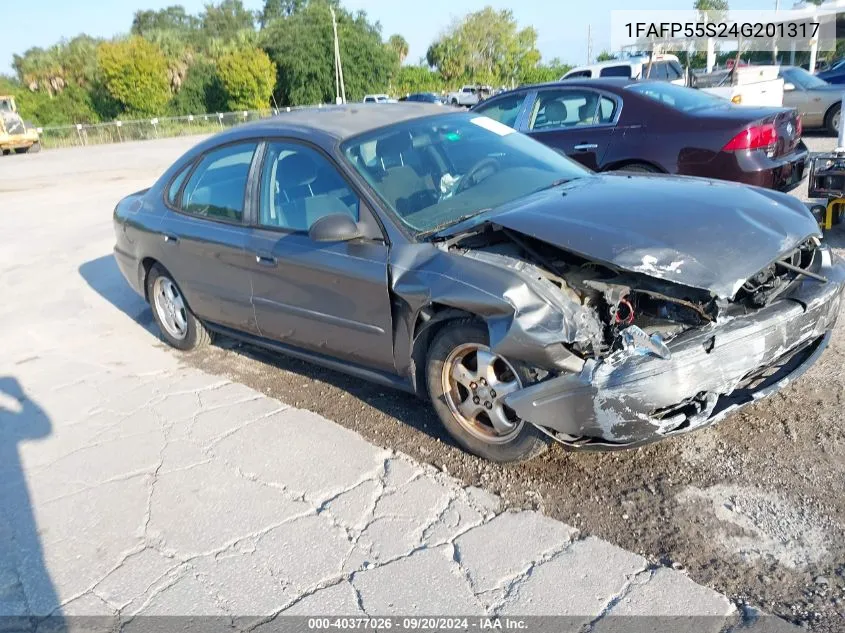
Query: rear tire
pixel 179 327
pixel 831 120
pixel 640 168
pixel 465 341
pixel 34 148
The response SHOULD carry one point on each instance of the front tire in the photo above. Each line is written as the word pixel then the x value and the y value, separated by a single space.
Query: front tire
pixel 831 120
pixel 34 148
pixel 179 327
pixel 467 383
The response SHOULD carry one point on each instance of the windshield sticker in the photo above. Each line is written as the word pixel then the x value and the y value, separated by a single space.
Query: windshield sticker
pixel 494 126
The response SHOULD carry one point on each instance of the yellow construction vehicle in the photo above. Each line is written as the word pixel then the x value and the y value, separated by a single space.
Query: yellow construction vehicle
pixel 15 135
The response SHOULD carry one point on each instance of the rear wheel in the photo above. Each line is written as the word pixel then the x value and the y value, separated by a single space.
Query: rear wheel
pixel 642 168
pixel 831 119
pixel 34 148
pixel 467 383
pixel 179 326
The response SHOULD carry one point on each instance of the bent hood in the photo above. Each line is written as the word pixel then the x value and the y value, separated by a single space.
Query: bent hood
pixel 702 233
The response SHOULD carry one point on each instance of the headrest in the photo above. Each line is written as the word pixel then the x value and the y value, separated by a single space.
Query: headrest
pixel 556 111
pixel 296 170
pixel 390 148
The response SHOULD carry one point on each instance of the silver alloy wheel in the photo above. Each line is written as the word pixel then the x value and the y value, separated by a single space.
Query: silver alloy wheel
pixel 170 307
pixel 475 382
pixel 836 117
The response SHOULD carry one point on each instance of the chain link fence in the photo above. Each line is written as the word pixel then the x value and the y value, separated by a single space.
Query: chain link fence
pixel 83 134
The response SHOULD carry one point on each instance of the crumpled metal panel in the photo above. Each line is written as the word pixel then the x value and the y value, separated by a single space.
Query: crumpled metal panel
pixel 693 232
pixel 528 318
pixel 613 398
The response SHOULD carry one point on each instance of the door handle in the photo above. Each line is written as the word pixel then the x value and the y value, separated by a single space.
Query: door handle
pixel 170 239
pixel 265 259
pixel 583 147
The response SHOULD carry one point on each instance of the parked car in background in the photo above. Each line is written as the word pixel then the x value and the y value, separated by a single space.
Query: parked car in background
pixel 835 74
pixel 469 95
pixel 745 85
pixel 378 99
pixel 663 68
pixel 423 97
pixel 530 299
pixel 817 101
pixel 651 126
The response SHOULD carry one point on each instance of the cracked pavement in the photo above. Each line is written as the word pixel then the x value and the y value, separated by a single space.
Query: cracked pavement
pixel 132 484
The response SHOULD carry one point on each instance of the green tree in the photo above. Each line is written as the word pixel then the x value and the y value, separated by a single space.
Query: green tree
pixel 399 45
pixel 411 79
pixel 485 46
pixel 135 75
pixel 715 10
pixel 226 19
pixel 40 69
pixel 543 73
pixel 201 92
pixel 277 9
pixel 172 18
pixel 247 77
pixel 301 46
pixel 605 56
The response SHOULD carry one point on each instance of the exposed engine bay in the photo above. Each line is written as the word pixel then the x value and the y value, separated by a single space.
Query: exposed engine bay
pixel 620 299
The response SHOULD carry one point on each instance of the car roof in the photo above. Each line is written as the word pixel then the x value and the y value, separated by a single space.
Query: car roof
pixel 614 84
pixel 335 122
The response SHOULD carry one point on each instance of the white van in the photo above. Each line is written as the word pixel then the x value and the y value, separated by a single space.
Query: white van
pixel 663 68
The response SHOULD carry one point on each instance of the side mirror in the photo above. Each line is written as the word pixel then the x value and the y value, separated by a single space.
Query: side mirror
pixel 788 86
pixel 335 227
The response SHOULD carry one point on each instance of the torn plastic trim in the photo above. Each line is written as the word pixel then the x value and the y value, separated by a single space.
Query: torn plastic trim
pixel 615 399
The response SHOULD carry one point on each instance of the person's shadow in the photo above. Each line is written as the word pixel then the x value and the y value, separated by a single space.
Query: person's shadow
pixel 28 599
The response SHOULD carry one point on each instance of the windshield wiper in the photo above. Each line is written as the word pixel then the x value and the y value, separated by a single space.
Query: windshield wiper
pixel 445 225
pixel 552 185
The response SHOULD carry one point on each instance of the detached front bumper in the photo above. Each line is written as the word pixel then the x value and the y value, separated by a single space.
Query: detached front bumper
pixel 628 399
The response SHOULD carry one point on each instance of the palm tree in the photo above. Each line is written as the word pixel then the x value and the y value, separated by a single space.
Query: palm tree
pixel 398 45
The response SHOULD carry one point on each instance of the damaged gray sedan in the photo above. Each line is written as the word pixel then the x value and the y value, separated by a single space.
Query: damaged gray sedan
pixel 445 254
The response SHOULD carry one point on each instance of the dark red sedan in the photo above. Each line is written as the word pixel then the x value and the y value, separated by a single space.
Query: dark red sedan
pixel 653 126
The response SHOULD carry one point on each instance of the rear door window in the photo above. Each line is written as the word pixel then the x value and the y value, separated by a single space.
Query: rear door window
pixel 560 109
pixel 175 184
pixel 616 71
pixel 504 109
pixel 581 73
pixel 217 187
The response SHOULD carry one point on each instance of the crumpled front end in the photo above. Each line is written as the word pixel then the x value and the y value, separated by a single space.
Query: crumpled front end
pixel 632 396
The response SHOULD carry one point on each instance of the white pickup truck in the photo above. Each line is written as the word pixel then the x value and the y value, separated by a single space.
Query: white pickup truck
pixel 752 86
pixel 469 95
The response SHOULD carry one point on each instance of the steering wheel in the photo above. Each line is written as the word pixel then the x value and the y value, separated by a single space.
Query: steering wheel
pixel 476 169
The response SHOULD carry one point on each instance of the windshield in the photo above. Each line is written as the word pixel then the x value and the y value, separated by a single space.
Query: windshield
pixel 803 79
pixel 437 171
pixel 677 97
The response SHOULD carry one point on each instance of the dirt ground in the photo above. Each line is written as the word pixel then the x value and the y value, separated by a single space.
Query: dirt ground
pixel 753 507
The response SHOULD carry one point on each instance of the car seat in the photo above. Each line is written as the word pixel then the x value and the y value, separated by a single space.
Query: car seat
pixel 556 114
pixel 404 188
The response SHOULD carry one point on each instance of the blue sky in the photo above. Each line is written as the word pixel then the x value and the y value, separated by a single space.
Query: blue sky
pixel 561 24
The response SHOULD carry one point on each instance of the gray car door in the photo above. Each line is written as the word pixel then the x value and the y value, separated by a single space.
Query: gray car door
pixel 204 237
pixel 329 298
